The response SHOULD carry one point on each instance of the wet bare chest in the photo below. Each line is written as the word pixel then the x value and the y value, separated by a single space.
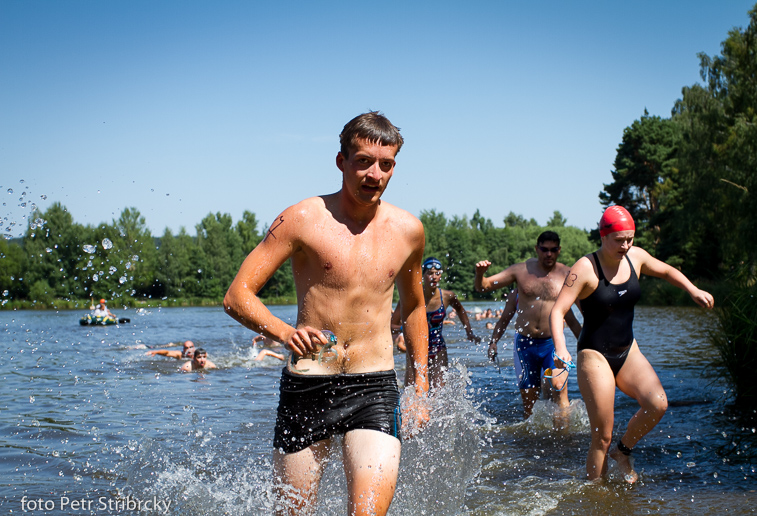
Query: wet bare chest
pixel 345 261
pixel 541 289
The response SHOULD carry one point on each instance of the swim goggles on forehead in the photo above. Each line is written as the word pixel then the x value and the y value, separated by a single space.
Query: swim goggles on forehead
pixel 432 264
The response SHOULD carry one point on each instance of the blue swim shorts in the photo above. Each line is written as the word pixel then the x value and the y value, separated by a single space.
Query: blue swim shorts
pixel 531 357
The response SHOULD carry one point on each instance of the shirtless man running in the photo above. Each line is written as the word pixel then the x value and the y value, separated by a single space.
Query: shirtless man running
pixel 347 250
pixel 539 282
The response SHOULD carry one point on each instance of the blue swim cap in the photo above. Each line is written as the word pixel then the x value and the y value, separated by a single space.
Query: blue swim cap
pixel 432 263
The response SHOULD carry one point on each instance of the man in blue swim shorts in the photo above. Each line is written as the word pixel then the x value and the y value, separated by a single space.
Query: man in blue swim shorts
pixel 539 282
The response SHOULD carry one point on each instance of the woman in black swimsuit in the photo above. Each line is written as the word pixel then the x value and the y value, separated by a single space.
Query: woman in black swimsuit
pixel 607 285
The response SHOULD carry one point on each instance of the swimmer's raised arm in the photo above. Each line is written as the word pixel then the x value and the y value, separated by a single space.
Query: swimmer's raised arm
pixel 651 266
pixel 502 279
pixel 172 353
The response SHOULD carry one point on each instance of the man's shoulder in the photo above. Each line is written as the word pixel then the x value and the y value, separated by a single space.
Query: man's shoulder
pixel 402 220
pixel 520 267
pixel 306 208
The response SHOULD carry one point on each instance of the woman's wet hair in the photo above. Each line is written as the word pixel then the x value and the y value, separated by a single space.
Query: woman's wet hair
pixel 372 127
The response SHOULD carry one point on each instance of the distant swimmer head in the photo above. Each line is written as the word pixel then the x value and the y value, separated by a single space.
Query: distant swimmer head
pixel 432 263
pixel 615 218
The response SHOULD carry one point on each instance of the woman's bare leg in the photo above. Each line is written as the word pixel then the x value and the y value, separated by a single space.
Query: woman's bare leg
pixel 597 385
pixel 638 380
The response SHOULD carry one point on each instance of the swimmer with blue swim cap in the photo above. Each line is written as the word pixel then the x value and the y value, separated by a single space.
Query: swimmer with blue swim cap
pixel 437 301
pixel 606 283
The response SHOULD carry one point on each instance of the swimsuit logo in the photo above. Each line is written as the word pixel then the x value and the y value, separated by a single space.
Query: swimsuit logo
pixel 620 294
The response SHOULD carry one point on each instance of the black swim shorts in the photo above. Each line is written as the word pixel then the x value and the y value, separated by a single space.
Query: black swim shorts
pixel 315 407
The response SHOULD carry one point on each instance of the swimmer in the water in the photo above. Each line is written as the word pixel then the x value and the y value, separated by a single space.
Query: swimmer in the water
pixel 437 301
pixel 187 351
pixel 539 280
pixel 606 283
pixel 265 352
pixel 199 361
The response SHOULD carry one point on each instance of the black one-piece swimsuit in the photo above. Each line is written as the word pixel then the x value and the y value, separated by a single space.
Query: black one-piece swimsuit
pixel 608 317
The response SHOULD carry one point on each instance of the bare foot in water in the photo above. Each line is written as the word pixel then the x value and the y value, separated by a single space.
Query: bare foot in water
pixel 624 465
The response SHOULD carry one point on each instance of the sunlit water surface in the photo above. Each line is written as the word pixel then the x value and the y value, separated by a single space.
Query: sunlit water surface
pixel 86 415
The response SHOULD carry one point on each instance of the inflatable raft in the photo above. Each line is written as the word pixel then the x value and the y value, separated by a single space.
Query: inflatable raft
pixel 91 320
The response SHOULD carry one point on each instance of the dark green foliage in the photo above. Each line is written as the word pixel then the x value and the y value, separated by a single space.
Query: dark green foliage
pixel 645 173
pixel 714 222
pixel 690 180
pixel 460 243
pixel 12 268
pixel 736 341
pixel 122 262
pixel 222 247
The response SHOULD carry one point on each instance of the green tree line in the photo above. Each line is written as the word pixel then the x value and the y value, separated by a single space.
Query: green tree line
pixel 60 259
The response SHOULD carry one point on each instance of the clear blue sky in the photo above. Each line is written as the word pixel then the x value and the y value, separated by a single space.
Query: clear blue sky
pixel 182 108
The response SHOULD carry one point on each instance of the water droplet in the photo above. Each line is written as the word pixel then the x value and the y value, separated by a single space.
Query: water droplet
pixel 47 249
pixel 89 248
pixel 107 244
pixel 31 399
pixel 10 190
pixel 690 464
pixel 95 277
pixel 122 280
pixel 43 197
pixel 112 270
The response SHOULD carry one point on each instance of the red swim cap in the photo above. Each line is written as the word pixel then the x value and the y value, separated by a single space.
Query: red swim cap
pixel 615 218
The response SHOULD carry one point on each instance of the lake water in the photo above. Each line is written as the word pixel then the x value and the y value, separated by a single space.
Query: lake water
pixel 86 418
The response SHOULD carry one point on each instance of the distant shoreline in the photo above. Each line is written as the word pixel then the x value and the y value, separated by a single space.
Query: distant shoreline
pixel 86 304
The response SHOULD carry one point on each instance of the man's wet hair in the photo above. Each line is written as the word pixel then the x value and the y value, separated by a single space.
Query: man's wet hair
pixel 548 236
pixel 372 127
pixel 200 351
